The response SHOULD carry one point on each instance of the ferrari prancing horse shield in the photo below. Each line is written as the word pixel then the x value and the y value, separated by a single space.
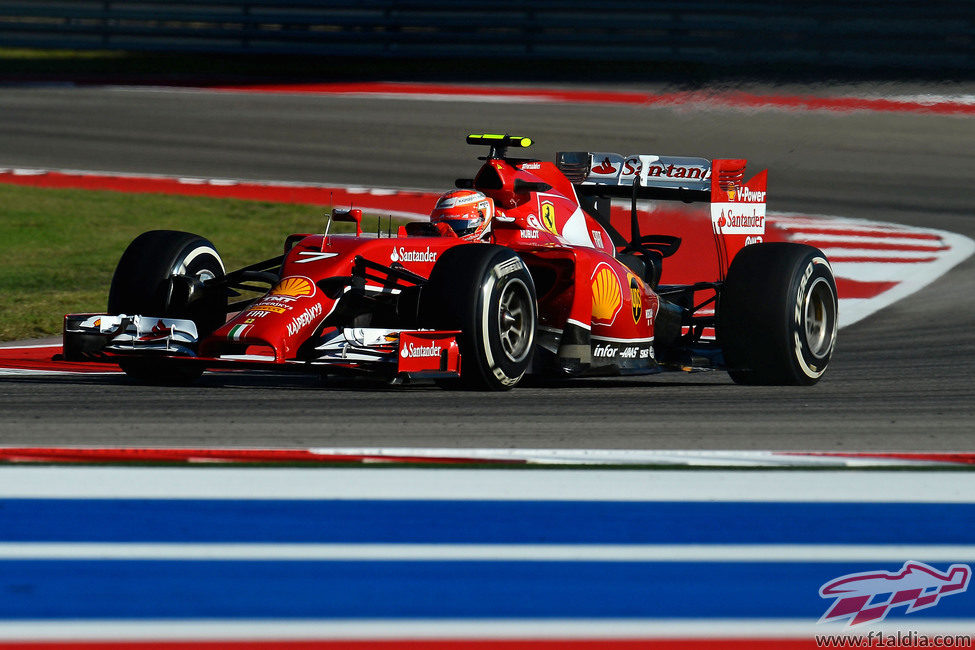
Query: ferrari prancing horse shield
pixel 548 218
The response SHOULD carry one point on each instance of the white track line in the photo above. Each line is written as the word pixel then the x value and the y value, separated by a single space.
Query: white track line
pixel 627 628
pixel 694 458
pixel 931 246
pixel 492 484
pixel 489 552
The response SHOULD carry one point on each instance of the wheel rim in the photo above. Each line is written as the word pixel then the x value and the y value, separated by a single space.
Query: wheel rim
pixel 515 322
pixel 820 318
pixel 201 264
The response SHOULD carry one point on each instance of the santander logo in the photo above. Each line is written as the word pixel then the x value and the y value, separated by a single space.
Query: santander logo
pixel 411 351
pixel 403 255
pixel 605 168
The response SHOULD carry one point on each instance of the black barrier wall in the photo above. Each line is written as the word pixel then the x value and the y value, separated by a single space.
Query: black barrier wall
pixel 928 37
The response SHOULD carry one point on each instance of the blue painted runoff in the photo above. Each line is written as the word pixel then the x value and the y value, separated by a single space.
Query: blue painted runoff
pixel 123 589
pixel 482 522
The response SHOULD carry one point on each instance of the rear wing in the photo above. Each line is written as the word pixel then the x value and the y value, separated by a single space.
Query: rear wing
pixel 736 206
pixel 604 171
pixel 649 176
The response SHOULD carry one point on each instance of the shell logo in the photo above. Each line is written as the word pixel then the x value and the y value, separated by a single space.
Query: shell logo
pixel 296 287
pixel 606 294
pixel 732 192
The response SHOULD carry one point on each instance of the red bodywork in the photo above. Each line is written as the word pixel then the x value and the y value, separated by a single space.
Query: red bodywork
pixel 572 256
pixel 580 282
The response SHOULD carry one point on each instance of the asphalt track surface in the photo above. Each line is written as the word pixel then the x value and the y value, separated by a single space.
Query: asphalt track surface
pixel 901 379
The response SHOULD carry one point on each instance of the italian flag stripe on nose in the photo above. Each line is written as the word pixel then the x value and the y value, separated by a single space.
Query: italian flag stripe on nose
pixel 237 331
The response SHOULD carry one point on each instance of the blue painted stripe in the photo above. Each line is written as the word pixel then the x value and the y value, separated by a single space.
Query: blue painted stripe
pixel 524 522
pixel 327 590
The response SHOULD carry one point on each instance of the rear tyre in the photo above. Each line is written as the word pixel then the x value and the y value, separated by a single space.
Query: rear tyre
pixel 487 293
pixel 777 315
pixel 143 284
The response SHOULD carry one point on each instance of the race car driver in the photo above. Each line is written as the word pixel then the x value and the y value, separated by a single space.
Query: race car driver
pixel 467 213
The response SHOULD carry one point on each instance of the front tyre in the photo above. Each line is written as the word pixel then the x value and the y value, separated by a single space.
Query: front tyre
pixel 487 293
pixel 155 277
pixel 777 315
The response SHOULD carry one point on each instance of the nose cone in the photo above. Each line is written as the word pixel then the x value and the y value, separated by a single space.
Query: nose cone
pixel 283 319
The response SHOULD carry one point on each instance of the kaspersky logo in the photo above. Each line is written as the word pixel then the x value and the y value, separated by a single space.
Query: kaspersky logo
pixel 869 596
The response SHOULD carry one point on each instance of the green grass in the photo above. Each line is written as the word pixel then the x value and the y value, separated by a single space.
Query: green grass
pixel 29 54
pixel 59 248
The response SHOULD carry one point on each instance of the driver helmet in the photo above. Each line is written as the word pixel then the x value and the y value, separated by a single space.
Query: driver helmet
pixel 467 212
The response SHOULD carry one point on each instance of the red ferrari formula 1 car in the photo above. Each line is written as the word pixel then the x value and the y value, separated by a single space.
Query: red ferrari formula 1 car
pixel 531 267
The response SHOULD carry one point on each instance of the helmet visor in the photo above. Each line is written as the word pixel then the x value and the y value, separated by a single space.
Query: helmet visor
pixel 463 226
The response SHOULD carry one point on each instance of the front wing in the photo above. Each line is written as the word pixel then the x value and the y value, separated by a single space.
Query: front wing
pixel 393 354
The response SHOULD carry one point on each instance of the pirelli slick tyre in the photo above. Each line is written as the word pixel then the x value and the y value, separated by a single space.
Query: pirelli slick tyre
pixel 777 315
pixel 144 284
pixel 485 291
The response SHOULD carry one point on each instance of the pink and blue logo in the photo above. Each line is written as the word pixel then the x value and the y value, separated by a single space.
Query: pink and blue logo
pixel 869 596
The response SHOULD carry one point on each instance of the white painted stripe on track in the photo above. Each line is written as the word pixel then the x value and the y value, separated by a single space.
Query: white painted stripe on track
pixel 842 225
pixel 352 189
pixel 691 458
pixel 870 272
pixel 912 280
pixel 930 245
pixel 927 98
pixel 796 486
pixel 874 253
pixel 489 552
pixel 841 230
pixel 484 628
